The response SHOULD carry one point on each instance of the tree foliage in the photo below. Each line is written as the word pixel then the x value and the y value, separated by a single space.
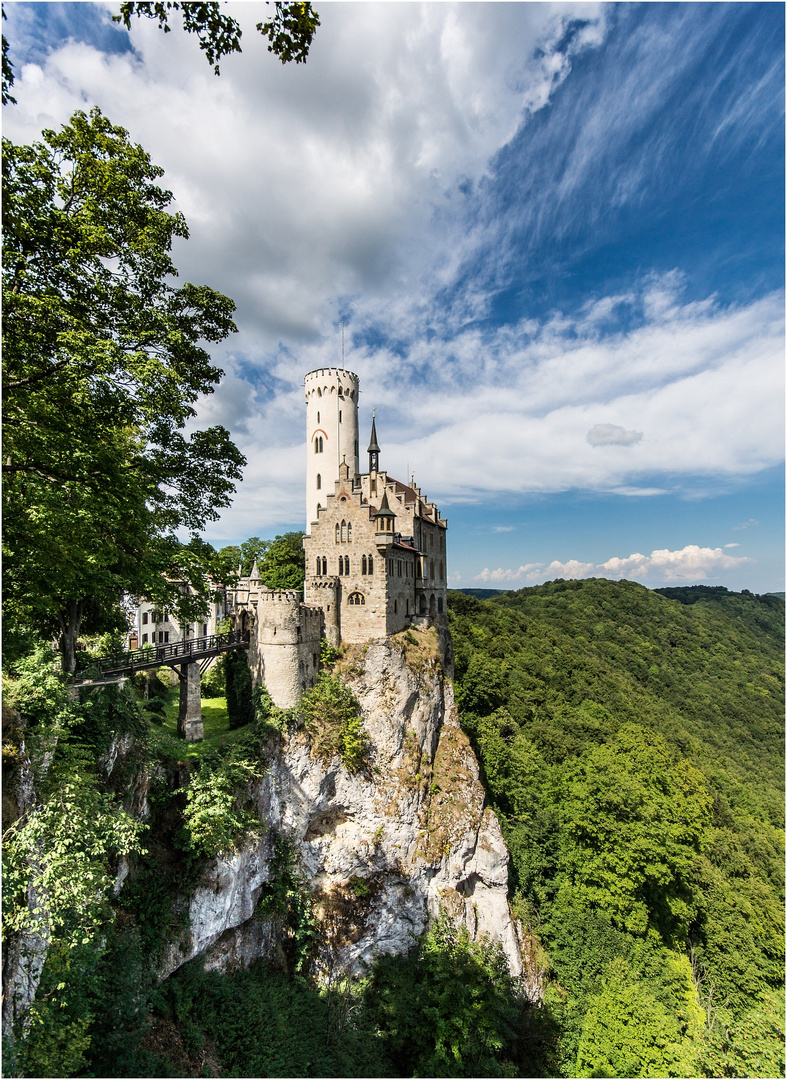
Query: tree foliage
pixel 632 745
pixel 280 562
pixel 332 718
pixel 289 32
pixel 102 367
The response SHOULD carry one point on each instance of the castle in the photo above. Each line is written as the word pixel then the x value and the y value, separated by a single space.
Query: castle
pixel 375 552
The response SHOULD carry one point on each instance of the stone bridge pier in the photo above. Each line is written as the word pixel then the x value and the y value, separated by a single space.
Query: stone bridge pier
pixel 190 725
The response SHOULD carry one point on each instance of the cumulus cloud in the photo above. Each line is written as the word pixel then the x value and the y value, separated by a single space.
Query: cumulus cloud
pixel 691 563
pixel 612 435
pixel 339 189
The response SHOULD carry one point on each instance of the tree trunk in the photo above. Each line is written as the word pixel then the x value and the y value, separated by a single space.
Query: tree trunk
pixel 70 622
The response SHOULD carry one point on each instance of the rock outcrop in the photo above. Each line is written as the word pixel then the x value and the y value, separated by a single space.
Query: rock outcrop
pixel 384 848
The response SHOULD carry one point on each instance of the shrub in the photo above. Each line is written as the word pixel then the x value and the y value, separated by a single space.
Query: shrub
pixel 332 719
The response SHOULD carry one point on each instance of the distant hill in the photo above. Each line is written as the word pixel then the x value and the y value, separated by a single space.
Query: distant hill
pixel 482 594
pixel 632 744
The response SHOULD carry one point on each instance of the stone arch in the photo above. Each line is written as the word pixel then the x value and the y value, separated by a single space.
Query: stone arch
pixel 432 605
pixel 423 604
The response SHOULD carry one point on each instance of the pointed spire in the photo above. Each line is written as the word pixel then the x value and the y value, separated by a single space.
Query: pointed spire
pixel 255 571
pixel 374 449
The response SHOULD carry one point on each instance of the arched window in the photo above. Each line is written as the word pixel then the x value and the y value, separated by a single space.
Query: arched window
pixel 357 598
pixel 347 565
pixel 319 481
pixel 319 564
pixel 363 564
pixel 318 444
pixel 344 531
pixel 439 605
pixel 341 565
pixel 371 564
pixel 349 532
pixel 324 565
pixel 337 535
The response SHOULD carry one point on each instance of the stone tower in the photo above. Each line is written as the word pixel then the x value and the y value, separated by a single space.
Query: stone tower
pixel 331 433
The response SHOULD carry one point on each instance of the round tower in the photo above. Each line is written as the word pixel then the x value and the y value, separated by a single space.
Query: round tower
pixel 331 433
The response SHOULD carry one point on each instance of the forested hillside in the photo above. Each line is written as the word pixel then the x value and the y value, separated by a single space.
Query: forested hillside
pixel 632 746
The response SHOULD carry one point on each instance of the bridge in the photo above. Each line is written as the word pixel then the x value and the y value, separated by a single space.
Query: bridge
pixel 188 651
pixel 192 656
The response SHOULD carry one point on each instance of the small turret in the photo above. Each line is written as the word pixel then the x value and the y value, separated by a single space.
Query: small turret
pixel 384 523
pixel 255 572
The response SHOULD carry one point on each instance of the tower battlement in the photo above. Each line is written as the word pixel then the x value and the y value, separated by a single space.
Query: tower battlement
pixel 280 596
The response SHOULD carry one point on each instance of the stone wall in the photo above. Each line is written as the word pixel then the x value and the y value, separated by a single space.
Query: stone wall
pixel 284 655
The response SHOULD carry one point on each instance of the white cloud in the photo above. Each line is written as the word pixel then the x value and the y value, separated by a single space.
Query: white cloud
pixel 612 435
pixel 338 186
pixel 691 563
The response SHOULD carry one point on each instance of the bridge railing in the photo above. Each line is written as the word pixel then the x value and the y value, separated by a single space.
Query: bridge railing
pixel 170 653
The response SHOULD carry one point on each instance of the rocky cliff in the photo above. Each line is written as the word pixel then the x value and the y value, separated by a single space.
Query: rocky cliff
pixel 383 848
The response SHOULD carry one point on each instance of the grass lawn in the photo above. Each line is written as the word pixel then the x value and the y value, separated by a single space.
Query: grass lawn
pixel 215 721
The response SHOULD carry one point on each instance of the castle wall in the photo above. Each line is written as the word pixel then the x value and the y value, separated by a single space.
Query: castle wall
pixel 284 655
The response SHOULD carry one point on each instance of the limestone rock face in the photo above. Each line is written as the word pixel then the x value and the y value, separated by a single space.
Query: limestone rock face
pixel 384 849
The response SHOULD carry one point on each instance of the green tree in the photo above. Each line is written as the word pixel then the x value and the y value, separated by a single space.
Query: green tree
pixel 283 562
pixel 333 720
pixel 289 32
pixel 627 1032
pixel 102 367
pixel 447 1011
pixel 632 822
pixel 240 692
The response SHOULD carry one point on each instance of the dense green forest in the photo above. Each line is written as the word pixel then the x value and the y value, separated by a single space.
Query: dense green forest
pixel 632 746
pixel 631 743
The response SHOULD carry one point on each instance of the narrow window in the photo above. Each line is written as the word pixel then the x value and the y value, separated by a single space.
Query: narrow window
pixel 371 564
pixel 144 639
pixel 396 607
pixel 347 565
pixel 356 448
pixel 318 418
pixel 341 566
pixel 363 564
pixel 340 416
pixel 337 535
pixel 144 617
pixel 324 566
pixel 319 481
pixel 344 532
pixel 319 564
pixel 349 532
pixel 205 630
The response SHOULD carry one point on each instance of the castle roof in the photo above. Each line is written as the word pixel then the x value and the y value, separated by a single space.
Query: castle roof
pixel 385 510
pixel 373 447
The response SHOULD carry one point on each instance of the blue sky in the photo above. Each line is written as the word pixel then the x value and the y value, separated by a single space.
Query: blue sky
pixel 555 233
